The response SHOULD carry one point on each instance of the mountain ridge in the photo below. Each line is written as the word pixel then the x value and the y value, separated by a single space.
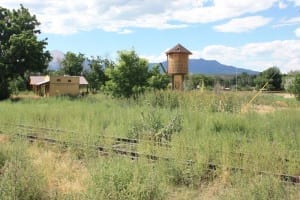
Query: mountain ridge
pixel 213 67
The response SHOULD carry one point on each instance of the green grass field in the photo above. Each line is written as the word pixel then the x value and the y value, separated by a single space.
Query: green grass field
pixel 200 129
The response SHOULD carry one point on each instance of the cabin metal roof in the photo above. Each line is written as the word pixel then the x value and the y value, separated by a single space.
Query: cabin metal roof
pixel 82 81
pixel 178 49
pixel 38 80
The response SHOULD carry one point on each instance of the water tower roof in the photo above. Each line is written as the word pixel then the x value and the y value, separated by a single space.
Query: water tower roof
pixel 179 49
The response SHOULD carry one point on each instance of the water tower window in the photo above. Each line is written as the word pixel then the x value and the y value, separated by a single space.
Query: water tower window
pixel 69 81
pixel 58 80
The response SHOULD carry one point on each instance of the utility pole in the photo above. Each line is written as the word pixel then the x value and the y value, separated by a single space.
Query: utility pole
pixel 235 80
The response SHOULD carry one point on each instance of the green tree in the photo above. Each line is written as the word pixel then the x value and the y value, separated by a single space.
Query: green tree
pixel 273 76
pixel 128 77
pixel 17 84
pixel 199 79
pixel 243 81
pixel 95 75
pixel 72 64
pixel 295 86
pixel 158 80
pixel 21 51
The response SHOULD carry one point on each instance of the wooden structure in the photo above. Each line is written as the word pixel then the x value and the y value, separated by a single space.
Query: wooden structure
pixel 40 85
pixel 58 85
pixel 178 61
pixel 64 85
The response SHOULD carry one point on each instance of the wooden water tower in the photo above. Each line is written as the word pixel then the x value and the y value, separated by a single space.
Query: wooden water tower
pixel 178 61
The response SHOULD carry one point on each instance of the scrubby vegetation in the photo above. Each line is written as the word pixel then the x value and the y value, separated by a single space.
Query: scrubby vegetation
pixel 203 135
pixel 187 145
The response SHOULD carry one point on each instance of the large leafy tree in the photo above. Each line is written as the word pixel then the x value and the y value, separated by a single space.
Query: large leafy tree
pixel 272 76
pixel 21 51
pixel 243 81
pixel 199 80
pixel 295 86
pixel 95 75
pixel 158 80
pixel 72 64
pixel 128 77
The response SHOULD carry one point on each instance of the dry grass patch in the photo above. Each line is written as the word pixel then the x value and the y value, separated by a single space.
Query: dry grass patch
pixel 207 191
pixel 64 175
pixel 263 108
pixel 281 104
pixel 24 96
pixel 3 138
pixel 285 95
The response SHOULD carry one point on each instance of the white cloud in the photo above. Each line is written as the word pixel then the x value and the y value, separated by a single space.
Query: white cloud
pixel 256 56
pixel 289 22
pixel 282 5
pixel 155 58
pixel 245 24
pixel 125 31
pixel 222 10
pixel 71 16
pixel 259 56
pixel 162 56
pixel 297 32
pixel 296 2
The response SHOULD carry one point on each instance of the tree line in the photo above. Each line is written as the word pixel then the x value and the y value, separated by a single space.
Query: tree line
pixel 128 77
pixel 23 54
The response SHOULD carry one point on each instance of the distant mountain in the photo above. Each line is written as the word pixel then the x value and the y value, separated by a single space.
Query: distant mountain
pixel 213 67
pixel 57 57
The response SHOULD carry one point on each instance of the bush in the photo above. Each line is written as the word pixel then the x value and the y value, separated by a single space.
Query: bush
pixel 122 179
pixel 16 85
pixel 19 179
pixel 188 173
pixel 152 127
pixel 257 187
pixel 295 87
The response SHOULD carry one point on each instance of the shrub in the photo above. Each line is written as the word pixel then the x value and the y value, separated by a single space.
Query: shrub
pixel 295 87
pixel 122 179
pixel 257 187
pixel 19 179
pixel 152 127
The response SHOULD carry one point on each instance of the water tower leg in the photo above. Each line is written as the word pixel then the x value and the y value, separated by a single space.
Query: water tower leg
pixel 173 82
pixel 177 82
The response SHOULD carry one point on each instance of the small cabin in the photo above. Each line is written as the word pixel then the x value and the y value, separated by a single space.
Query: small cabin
pixel 58 85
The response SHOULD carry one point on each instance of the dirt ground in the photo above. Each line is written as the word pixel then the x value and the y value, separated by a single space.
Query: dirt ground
pixel 286 95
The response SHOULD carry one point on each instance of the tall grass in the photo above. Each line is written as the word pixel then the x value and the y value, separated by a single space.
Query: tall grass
pixel 117 178
pixel 213 130
pixel 18 179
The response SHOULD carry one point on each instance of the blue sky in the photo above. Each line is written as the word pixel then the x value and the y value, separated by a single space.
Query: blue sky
pixel 243 33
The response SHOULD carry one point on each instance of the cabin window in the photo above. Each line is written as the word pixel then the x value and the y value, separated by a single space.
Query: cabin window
pixel 58 80
pixel 69 81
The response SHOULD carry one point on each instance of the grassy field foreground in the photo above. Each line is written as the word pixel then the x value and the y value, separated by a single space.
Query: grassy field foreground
pixel 203 128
